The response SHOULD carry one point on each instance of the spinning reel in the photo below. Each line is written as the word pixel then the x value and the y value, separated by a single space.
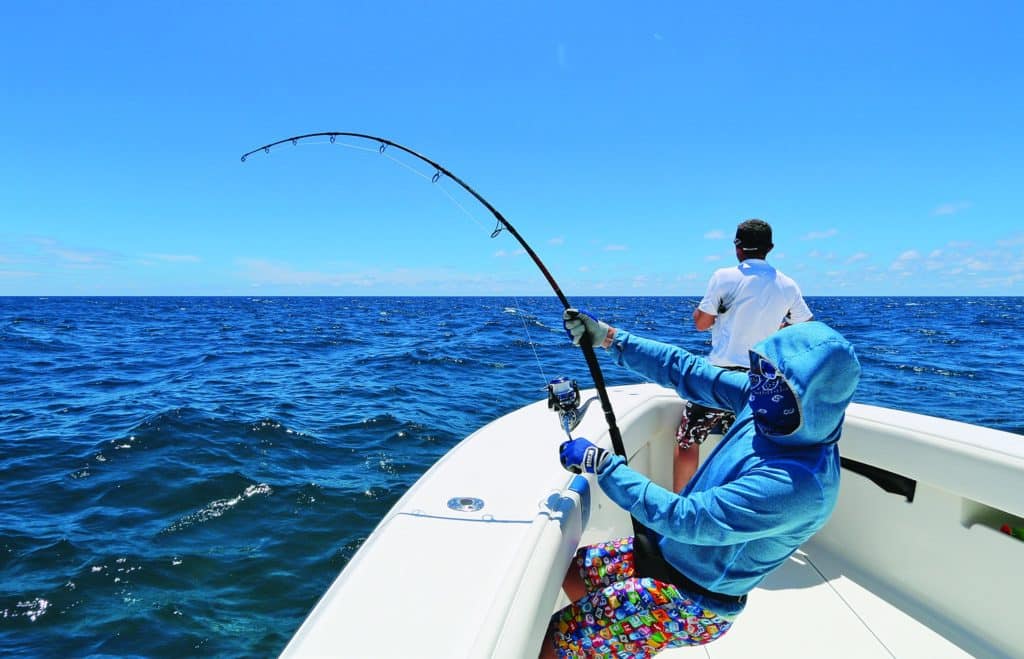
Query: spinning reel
pixel 564 398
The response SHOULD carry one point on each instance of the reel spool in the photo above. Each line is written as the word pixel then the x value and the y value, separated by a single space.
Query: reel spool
pixel 564 398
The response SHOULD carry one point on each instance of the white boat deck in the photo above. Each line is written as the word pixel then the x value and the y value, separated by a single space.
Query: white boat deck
pixel 809 607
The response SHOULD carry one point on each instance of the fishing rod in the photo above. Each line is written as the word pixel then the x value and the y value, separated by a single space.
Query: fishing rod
pixel 502 224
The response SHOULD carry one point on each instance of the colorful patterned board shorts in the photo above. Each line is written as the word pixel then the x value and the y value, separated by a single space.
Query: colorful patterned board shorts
pixel 698 422
pixel 627 616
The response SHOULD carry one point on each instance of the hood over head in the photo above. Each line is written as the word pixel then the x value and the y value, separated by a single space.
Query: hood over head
pixel 821 368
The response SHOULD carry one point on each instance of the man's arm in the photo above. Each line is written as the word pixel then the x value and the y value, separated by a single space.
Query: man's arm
pixel 788 320
pixel 766 501
pixel 798 312
pixel 705 314
pixel 702 321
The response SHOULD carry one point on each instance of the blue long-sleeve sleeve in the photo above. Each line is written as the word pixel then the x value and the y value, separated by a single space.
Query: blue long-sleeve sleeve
pixel 758 504
pixel 693 377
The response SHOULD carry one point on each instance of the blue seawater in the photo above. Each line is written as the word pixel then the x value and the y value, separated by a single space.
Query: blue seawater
pixel 186 476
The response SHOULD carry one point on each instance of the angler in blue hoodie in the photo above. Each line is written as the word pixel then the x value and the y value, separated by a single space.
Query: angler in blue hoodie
pixel 767 487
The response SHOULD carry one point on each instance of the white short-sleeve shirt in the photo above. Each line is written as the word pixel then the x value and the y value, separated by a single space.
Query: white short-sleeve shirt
pixel 750 302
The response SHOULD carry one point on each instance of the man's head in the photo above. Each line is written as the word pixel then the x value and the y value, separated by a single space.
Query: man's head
pixel 753 239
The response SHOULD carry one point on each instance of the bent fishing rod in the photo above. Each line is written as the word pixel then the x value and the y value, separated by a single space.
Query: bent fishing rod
pixel 502 224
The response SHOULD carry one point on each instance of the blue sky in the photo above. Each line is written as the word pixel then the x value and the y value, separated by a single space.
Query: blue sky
pixel 883 141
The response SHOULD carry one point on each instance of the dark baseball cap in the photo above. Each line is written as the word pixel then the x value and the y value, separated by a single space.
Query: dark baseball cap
pixel 753 236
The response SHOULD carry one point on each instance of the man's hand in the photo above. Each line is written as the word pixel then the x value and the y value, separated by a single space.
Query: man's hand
pixel 581 455
pixel 702 320
pixel 581 326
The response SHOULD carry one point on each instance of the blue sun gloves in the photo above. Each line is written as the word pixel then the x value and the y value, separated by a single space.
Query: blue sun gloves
pixel 579 323
pixel 581 455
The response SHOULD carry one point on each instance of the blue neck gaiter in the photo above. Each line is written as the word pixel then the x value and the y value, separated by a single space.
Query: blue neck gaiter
pixel 772 402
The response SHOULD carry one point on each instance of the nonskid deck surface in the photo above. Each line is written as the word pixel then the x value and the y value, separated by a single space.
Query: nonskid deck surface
pixel 810 609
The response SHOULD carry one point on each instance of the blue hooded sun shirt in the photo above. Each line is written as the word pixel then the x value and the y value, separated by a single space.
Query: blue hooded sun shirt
pixel 757 497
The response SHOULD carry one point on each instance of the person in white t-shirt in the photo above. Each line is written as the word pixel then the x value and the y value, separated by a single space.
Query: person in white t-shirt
pixel 742 306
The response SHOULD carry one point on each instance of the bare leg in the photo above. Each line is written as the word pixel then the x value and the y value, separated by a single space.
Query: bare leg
pixel 684 465
pixel 574 590
pixel 573 584
pixel 547 651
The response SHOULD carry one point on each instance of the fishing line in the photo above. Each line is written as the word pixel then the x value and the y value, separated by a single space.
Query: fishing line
pixel 529 339
pixel 440 186
pixel 501 225
pixel 401 163
pixel 519 306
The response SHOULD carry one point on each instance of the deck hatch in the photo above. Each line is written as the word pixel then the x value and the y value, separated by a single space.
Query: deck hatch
pixel 465 504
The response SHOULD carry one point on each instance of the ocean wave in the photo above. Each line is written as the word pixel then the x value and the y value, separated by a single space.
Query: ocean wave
pixel 218 507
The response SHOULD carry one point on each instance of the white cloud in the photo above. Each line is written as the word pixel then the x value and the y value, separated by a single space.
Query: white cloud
pixel 712 258
pixel 904 260
pixel 960 269
pixel 266 272
pixel 74 257
pixel 714 234
pixel 820 235
pixel 262 273
pixel 951 208
pixel 77 256
pixel 856 258
pixel 174 258
pixel 560 240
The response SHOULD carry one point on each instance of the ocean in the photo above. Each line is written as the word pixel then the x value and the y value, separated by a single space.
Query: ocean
pixel 186 476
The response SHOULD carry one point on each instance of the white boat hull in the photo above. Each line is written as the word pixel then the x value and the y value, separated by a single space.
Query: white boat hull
pixel 886 577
